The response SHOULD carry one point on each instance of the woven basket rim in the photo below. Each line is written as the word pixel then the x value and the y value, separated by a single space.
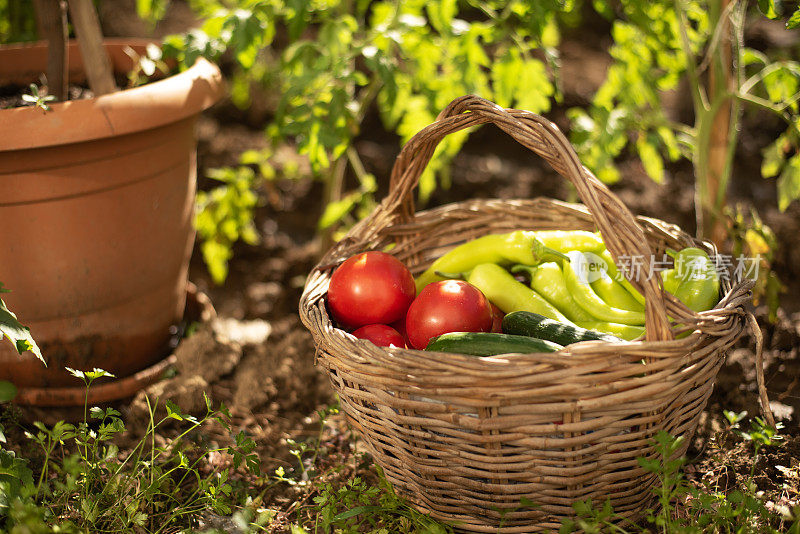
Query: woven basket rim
pixel 732 297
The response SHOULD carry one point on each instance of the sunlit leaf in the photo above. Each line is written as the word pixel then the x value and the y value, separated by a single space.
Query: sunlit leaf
pixel 651 159
pixel 789 183
pixel 794 20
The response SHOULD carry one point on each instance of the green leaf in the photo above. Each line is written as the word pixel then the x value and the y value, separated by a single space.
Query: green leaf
pixel 335 211
pixel 751 56
pixel 774 157
pixel 794 20
pixel 7 391
pixel 769 8
pixel 789 183
pixel 18 334
pixel 651 159
pixel 174 411
pixel 535 89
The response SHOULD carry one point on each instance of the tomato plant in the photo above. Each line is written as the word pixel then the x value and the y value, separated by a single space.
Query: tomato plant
pixel 381 334
pixel 447 306
pixel 370 288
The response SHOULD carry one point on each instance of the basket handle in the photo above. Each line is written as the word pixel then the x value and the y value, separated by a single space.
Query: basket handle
pixel 620 232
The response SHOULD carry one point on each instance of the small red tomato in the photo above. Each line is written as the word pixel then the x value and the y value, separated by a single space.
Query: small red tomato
pixel 370 288
pixel 381 334
pixel 447 306
pixel 497 319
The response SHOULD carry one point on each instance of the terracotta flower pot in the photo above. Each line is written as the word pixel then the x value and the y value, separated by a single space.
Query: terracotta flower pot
pixel 96 212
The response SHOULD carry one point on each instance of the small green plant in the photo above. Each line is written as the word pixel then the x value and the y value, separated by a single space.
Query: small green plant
pixel 85 483
pixel 15 332
pixel 685 507
pixel 38 99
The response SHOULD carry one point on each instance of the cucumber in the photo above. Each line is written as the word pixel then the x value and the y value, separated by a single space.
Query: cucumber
pixel 523 323
pixel 489 344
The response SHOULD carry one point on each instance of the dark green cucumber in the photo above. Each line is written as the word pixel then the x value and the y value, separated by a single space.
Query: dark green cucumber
pixel 524 323
pixel 488 344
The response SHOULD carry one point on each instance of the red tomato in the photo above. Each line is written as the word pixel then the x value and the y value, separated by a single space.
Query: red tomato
pixel 370 288
pixel 447 306
pixel 497 319
pixel 381 334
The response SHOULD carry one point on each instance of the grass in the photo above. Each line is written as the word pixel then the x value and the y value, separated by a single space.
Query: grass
pixel 74 479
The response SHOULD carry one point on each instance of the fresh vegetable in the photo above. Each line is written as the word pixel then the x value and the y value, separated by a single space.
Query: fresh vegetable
pixel 447 306
pixel 547 280
pixel 567 240
pixel 580 289
pixel 489 344
pixel 380 334
pixel 693 280
pixel 622 331
pixel 508 294
pixel 614 294
pixel 370 288
pixel 524 323
pixel 614 274
pixel 520 246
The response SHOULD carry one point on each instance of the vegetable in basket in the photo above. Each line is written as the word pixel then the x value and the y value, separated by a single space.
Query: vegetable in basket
pixel 614 274
pixel 524 323
pixel 501 288
pixel 693 280
pixel 547 280
pixel 447 306
pixel 520 246
pixel 370 288
pixel 489 344
pixel 580 289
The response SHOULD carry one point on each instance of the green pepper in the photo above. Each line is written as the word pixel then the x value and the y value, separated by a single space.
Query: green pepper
pixel 548 281
pixel 566 240
pixel 613 293
pixel 520 246
pixel 622 331
pixel 693 280
pixel 502 289
pixel 614 274
pixel 586 298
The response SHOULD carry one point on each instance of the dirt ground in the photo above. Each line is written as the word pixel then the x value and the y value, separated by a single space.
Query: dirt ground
pixel 259 359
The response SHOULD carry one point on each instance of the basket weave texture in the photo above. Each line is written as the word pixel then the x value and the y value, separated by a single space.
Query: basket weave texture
pixel 474 441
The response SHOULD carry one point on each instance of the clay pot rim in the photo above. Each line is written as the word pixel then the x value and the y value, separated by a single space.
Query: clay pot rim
pixel 127 111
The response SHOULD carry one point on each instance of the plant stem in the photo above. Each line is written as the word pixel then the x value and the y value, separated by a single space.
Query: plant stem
pixel 51 18
pixel 717 121
pixel 698 95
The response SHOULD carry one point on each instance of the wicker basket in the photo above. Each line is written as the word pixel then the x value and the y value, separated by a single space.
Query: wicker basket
pixel 473 441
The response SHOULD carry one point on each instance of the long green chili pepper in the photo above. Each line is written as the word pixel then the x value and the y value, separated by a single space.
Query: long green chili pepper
pixel 501 288
pixel 520 246
pixel 614 294
pixel 586 298
pixel 622 331
pixel 694 279
pixel 614 274
pixel 566 240
pixel 548 281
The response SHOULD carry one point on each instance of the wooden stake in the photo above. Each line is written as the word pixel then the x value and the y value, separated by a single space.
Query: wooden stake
pixel 90 41
pixel 51 19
